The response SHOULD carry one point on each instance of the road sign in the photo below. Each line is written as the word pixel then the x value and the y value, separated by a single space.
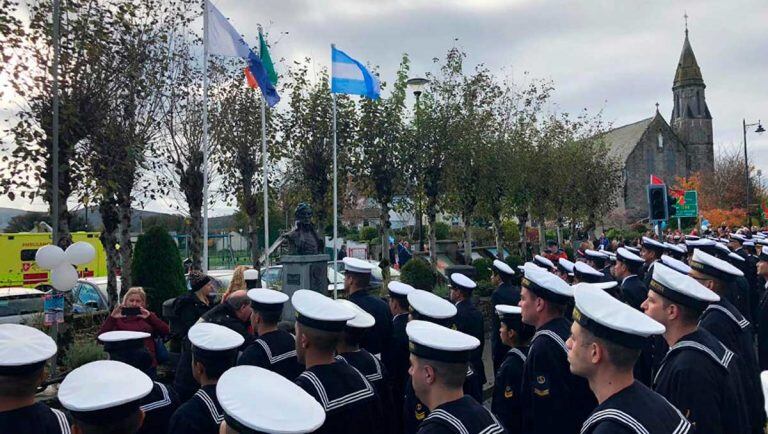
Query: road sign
pixel 689 206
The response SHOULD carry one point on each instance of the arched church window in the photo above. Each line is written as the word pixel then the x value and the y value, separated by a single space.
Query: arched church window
pixel 660 140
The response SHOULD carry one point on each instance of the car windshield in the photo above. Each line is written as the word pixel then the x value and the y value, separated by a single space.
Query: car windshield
pixel 21 305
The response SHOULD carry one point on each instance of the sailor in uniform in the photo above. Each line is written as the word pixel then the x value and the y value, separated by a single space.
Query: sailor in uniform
pixel 548 386
pixel 348 398
pixel 357 278
pixel 468 319
pixel 633 290
pixel 543 262
pixel 564 270
pixel 104 397
pixel 505 403
pixel 348 350
pixel 396 359
pixel 727 324
pixel 697 375
pixel 597 260
pixel 426 306
pixel 651 251
pixel 439 358
pixel 158 407
pixel 762 315
pixel 677 251
pixel 214 350
pixel 584 273
pixel 273 349
pixel 256 400
pixel 505 293
pixel 606 339
pixel 23 353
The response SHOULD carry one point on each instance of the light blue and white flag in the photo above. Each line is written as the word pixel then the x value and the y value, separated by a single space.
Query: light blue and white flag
pixel 351 77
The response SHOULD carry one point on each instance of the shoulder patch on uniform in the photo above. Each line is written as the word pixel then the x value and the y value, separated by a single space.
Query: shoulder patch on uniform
pixel 541 386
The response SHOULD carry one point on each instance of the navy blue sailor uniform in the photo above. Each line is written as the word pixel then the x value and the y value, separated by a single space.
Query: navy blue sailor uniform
pixel 202 414
pixel 469 320
pixel 509 294
pixel 158 408
pixel 636 410
pixel 461 416
pixel 376 340
pixel 37 418
pixel 376 373
pixel 349 400
pixel 633 291
pixel 697 377
pixel 505 403
pixel 397 363
pixel 275 351
pixel 548 386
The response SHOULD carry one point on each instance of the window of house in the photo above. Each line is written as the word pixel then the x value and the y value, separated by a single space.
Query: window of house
pixel 660 139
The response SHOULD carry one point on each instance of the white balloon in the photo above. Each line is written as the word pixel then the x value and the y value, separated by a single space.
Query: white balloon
pixel 80 253
pixel 64 277
pixel 49 257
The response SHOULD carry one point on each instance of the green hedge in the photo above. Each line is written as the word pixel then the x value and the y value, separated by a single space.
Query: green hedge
pixel 368 233
pixel 418 273
pixel 157 267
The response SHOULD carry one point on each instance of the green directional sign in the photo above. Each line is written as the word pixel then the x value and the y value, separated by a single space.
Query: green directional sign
pixel 690 206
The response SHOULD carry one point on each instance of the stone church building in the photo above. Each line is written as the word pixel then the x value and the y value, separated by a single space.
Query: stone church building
pixel 652 146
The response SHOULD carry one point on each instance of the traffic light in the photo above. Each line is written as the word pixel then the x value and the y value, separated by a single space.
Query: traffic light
pixel 657 202
pixel 671 206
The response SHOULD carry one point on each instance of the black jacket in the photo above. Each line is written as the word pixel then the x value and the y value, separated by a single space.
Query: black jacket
pixel 505 294
pixel 469 320
pixel 376 340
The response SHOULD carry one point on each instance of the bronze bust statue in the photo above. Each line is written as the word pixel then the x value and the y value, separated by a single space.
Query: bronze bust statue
pixel 303 239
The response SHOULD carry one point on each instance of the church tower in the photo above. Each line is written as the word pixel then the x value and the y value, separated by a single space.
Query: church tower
pixel 691 120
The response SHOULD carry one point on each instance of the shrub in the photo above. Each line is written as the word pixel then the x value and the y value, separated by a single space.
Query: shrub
pixel 513 261
pixel 511 232
pixel 157 267
pixel 368 233
pixel 418 273
pixel 82 352
pixel 482 269
pixel 484 288
pixel 442 230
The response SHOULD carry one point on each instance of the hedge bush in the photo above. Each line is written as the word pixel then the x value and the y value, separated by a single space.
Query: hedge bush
pixel 82 352
pixel 157 267
pixel 442 231
pixel 368 233
pixel 418 273
pixel 482 268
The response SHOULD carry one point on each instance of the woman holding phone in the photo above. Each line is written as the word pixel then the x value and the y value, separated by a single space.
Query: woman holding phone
pixel 132 315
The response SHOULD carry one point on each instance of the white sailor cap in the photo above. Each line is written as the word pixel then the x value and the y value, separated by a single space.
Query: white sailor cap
pixel 585 273
pixel 679 266
pixel 679 249
pixel 702 244
pixel 650 243
pixel 738 237
pixel 610 319
pixel 632 249
pixel 691 237
pixel 721 249
pixel 104 391
pixel 610 256
pixel 462 282
pixel 705 263
pixel 508 310
pixel 748 243
pixel 680 288
pixel 435 342
pixel 361 320
pixel 123 340
pixel 546 285
pixel 267 300
pixel 399 289
pixel 23 349
pixel 250 274
pixel 320 312
pixel 501 267
pixel 762 242
pixel 258 400
pixel 426 305
pixel 543 262
pixel 595 254
pixel 565 265
pixel 600 285
pixel 355 265
pixel 213 342
pixel 625 255
pixel 735 257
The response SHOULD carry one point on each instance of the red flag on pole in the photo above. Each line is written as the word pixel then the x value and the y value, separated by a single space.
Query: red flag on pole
pixel 655 180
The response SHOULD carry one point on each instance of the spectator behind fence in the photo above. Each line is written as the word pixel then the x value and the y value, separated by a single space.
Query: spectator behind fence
pixel 132 315
pixel 237 283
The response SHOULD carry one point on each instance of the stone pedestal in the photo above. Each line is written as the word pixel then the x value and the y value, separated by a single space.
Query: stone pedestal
pixel 303 272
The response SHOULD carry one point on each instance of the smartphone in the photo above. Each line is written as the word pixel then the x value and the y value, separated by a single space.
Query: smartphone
pixel 130 311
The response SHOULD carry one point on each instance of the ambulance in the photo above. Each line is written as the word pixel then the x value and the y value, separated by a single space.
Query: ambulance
pixel 17 258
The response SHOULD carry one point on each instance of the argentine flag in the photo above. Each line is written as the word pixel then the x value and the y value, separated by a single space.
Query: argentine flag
pixel 351 77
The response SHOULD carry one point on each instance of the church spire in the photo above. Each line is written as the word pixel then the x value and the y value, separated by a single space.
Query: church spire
pixel 688 71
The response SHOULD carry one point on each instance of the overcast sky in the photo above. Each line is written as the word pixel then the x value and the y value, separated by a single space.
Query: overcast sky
pixel 615 56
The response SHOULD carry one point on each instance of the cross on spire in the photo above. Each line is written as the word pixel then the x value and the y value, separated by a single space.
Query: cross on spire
pixel 657 107
pixel 685 16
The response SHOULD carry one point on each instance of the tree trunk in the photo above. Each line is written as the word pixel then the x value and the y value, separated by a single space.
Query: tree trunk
pixel 573 234
pixel 542 236
pixel 522 220
pixel 432 220
pixel 126 247
pixel 498 231
pixel 196 237
pixel 253 239
pixel 384 236
pixel 467 240
pixel 108 237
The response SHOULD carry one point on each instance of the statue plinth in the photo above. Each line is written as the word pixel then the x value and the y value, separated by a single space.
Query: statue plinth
pixel 303 272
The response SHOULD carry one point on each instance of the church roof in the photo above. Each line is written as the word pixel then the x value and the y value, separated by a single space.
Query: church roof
pixel 622 141
pixel 688 71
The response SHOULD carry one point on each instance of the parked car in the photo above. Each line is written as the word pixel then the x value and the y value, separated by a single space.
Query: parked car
pixel 24 305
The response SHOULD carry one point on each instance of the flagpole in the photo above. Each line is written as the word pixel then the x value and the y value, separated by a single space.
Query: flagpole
pixel 205 137
pixel 265 181
pixel 335 206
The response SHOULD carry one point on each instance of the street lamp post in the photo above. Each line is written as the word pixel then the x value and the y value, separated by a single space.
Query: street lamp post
pixel 759 130
pixel 417 85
